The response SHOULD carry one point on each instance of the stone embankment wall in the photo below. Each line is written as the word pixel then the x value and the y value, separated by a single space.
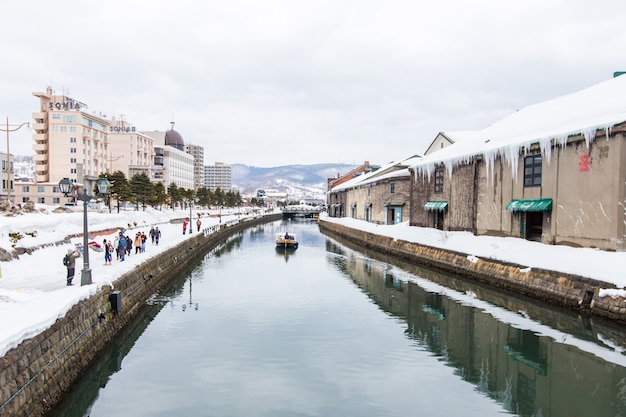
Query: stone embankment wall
pixel 572 291
pixel 35 375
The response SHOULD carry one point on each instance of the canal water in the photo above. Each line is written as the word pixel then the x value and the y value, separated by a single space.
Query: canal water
pixel 329 330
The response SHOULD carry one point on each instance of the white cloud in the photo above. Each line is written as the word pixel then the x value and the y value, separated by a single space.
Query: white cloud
pixel 273 82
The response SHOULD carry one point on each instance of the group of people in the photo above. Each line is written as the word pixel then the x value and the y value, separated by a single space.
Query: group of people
pixel 122 246
pixel 186 223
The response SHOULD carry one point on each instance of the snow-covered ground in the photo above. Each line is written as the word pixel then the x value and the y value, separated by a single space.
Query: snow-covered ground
pixel 33 291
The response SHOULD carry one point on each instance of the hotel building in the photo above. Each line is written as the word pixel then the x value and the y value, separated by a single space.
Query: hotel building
pixel 130 151
pixel 69 141
pixel 218 175
pixel 172 164
pixel 197 152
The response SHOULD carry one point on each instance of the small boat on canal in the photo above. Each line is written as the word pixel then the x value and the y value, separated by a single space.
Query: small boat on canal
pixel 286 241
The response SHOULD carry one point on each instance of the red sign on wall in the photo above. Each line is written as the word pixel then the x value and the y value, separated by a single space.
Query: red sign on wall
pixel 583 163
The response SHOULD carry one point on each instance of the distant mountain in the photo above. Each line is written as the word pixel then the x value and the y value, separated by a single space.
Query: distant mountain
pixel 298 181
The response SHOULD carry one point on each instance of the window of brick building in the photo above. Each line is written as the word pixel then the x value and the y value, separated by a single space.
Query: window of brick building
pixel 439 180
pixel 532 171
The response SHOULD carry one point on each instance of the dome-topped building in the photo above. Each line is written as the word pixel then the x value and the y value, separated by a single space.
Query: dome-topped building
pixel 174 139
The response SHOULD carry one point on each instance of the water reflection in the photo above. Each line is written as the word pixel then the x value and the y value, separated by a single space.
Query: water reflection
pixel 233 242
pixel 510 355
pixel 285 252
pixel 79 401
pixel 336 332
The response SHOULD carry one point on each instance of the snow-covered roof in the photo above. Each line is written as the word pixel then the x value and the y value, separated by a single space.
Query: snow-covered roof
pixel 599 107
pixel 384 172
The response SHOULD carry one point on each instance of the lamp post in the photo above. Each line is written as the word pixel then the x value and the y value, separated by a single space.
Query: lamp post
pixel 184 202
pixel 190 218
pixel 10 128
pixel 103 188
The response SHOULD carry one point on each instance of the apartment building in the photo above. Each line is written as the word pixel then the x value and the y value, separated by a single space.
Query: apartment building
pixel 130 151
pixel 67 135
pixel 218 175
pixel 197 152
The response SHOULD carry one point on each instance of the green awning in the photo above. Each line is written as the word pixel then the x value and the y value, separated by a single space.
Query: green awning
pixel 537 204
pixel 436 205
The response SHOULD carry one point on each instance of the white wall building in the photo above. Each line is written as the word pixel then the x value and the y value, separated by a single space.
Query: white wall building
pixel 172 164
pixel 130 151
pixel 178 167
pixel 197 152
pixel 218 175
pixel 66 135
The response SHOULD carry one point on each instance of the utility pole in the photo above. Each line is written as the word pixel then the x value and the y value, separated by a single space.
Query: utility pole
pixel 10 128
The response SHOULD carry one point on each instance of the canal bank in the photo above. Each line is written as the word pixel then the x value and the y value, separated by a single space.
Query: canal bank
pixel 568 290
pixel 35 375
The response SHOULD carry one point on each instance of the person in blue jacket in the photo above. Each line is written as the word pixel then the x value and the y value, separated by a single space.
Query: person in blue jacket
pixel 121 247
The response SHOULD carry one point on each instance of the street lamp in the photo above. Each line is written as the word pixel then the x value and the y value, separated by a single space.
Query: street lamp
pixel 190 218
pixel 103 188
pixel 10 128
pixel 191 202
pixel 184 201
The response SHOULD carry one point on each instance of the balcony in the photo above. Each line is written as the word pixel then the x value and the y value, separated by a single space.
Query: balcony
pixel 40 136
pixel 40 127
pixel 40 147
pixel 43 177
pixel 40 157
pixel 39 116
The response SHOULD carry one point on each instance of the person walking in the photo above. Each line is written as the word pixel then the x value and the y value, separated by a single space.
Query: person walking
pixel 157 235
pixel 198 224
pixel 107 252
pixel 129 245
pixel 116 247
pixel 137 243
pixel 143 241
pixel 71 264
pixel 185 223
pixel 121 247
pixel 152 234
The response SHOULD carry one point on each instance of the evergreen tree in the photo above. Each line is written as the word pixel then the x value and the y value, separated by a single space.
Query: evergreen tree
pixel 204 197
pixel 220 197
pixel 160 196
pixel 174 194
pixel 142 189
pixel 238 199
pixel 120 191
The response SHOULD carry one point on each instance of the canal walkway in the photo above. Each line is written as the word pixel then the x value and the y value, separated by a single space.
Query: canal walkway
pixel 52 354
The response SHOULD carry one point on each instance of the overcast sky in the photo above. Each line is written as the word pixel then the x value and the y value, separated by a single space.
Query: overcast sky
pixel 269 83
